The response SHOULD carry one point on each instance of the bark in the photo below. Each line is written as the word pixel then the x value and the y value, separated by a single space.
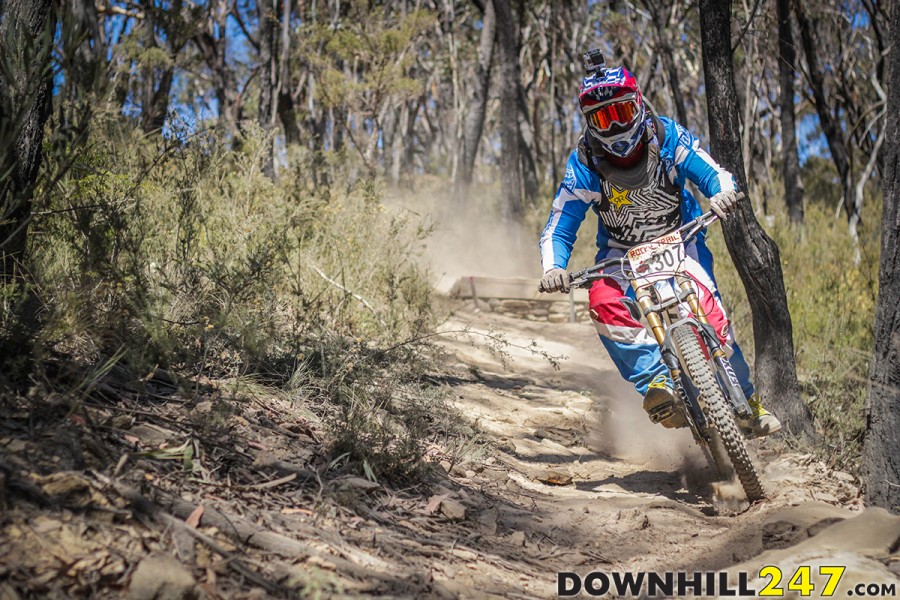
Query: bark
pixel 25 103
pixel 474 124
pixel 754 254
pixel 510 162
pixel 212 43
pixel 790 162
pixel 26 87
pixel 881 447
pixel 527 147
pixel 286 112
pixel 173 511
pixel 837 145
pixel 156 82
pixel 268 79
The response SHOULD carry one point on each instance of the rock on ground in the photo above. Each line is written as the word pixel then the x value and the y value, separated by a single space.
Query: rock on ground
pixel 161 577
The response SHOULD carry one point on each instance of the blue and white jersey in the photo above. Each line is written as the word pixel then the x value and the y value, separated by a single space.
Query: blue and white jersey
pixel 630 216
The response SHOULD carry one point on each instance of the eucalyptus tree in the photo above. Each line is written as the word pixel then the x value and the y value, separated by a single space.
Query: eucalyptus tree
pixel 881 448
pixel 790 161
pixel 477 105
pixel 508 40
pixel 26 87
pixel 754 253
pixel 845 84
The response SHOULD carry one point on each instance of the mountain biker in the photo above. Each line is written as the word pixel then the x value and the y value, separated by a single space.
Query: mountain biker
pixel 631 167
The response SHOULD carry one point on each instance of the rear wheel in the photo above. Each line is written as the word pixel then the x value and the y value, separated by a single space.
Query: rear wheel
pixel 726 442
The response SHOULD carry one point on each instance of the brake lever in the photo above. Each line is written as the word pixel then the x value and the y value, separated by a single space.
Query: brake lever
pixel 691 229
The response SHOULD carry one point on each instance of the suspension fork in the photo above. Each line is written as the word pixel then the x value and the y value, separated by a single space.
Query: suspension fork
pixel 686 284
pixel 717 352
pixel 645 300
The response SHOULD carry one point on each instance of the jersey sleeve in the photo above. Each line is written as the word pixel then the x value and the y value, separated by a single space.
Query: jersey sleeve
pixel 572 201
pixel 693 163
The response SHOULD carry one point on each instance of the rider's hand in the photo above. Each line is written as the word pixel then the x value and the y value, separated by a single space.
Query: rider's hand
pixel 555 280
pixel 725 202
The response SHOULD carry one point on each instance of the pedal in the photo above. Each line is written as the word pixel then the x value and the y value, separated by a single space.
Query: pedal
pixel 665 414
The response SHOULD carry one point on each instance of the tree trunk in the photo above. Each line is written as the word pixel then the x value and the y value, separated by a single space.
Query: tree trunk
pixel 840 154
pixel 213 44
pixel 156 82
pixel 286 113
pixel 553 102
pixel 527 147
pixel 790 162
pixel 389 134
pixel 86 45
pixel 881 448
pixel 478 104
pixel 754 254
pixel 26 87
pixel 25 104
pixel 510 165
pixel 155 104
pixel 268 76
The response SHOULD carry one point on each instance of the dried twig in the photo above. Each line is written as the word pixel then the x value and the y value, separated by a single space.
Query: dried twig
pixel 355 295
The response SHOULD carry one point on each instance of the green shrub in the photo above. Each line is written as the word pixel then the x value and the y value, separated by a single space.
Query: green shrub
pixel 188 255
pixel 181 253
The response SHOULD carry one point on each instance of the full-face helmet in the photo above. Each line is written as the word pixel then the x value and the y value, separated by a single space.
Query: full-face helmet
pixel 612 104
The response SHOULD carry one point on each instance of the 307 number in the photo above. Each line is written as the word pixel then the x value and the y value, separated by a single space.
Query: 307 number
pixel 662 260
pixel 800 581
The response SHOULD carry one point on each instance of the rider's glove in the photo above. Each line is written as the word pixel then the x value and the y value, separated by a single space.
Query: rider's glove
pixel 555 280
pixel 725 202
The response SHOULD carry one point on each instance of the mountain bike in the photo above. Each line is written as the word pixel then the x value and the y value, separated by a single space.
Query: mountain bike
pixel 706 387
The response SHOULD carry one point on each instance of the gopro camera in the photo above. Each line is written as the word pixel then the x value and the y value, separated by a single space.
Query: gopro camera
pixel 593 61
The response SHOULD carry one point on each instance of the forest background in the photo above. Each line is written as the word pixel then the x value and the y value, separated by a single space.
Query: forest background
pixel 247 190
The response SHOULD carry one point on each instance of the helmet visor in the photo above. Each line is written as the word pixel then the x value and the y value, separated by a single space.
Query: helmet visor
pixel 621 113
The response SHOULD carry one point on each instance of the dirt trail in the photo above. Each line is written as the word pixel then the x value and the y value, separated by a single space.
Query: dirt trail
pixel 207 493
pixel 639 497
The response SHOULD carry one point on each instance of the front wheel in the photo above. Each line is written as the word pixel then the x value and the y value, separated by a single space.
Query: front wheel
pixel 726 441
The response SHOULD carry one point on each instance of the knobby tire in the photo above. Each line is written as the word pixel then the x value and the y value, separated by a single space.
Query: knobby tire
pixel 718 413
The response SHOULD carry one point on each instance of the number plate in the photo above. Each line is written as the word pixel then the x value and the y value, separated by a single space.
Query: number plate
pixel 657 260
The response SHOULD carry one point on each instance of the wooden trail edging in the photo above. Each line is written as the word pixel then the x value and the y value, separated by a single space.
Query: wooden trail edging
pixel 519 297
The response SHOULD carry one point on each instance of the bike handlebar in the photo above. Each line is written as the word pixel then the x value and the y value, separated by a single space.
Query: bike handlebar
pixel 688 231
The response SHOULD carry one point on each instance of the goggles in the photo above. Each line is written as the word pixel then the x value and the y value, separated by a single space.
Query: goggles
pixel 621 112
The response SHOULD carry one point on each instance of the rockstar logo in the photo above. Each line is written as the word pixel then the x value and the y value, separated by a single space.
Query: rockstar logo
pixel 618 198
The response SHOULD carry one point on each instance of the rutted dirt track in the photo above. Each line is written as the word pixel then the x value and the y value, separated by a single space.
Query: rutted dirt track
pixel 578 480
pixel 639 498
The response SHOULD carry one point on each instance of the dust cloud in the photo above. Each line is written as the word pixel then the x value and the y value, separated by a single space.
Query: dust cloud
pixel 466 246
pixel 476 242
pixel 625 431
